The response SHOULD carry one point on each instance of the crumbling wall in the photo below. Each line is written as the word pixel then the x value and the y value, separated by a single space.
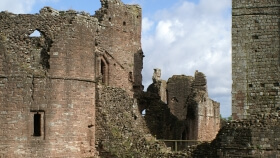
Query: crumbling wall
pixel 121 130
pixel 189 113
pixel 246 138
pixel 158 86
pixel 208 110
pixel 160 121
pixel 255 57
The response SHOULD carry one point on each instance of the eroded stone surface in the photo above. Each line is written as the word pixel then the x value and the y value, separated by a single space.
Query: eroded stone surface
pixel 188 113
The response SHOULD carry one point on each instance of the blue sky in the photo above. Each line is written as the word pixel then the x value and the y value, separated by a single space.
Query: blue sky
pixel 178 36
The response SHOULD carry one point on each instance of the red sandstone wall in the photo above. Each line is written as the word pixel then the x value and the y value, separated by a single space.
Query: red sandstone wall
pixel 55 75
pixel 188 100
pixel 120 38
pixel 63 93
pixel 208 120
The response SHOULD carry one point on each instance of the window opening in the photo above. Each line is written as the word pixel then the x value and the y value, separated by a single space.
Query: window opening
pixel 255 37
pixel 36 33
pixel 103 71
pixel 276 84
pixel 130 76
pixel 143 113
pixel 37 124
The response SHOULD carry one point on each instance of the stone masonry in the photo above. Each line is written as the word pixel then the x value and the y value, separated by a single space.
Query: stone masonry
pixel 255 57
pixel 48 82
pixel 187 114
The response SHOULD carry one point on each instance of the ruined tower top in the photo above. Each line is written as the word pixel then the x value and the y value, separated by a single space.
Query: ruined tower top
pixel 200 81
pixel 156 75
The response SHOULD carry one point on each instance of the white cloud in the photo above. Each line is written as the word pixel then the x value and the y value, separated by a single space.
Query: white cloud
pixel 17 6
pixel 147 24
pixel 191 37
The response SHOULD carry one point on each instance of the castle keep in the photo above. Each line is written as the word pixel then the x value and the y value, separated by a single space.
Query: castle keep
pixel 255 58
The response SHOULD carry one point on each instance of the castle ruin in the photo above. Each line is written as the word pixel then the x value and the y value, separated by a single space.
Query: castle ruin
pixel 74 91
pixel 185 110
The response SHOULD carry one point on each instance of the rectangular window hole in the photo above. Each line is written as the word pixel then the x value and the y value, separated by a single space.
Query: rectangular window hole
pixel 37 125
pixel 276 84
pixel 255 37
pixel 262 85
pixel 250 85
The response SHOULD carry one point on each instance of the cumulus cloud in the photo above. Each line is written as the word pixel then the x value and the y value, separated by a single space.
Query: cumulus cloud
pixel 147 24
pixel 188 37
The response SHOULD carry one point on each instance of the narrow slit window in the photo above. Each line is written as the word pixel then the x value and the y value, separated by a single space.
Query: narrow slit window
pixel 37 124
pixel 103 71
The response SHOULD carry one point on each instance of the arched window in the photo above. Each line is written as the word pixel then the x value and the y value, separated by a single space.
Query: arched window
pixel 44 43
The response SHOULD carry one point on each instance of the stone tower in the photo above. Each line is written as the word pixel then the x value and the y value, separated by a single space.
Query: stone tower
pixel 255 57
pixel 48 83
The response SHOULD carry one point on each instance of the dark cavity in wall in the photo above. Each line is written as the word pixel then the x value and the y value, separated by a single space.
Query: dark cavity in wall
pixel 37 124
